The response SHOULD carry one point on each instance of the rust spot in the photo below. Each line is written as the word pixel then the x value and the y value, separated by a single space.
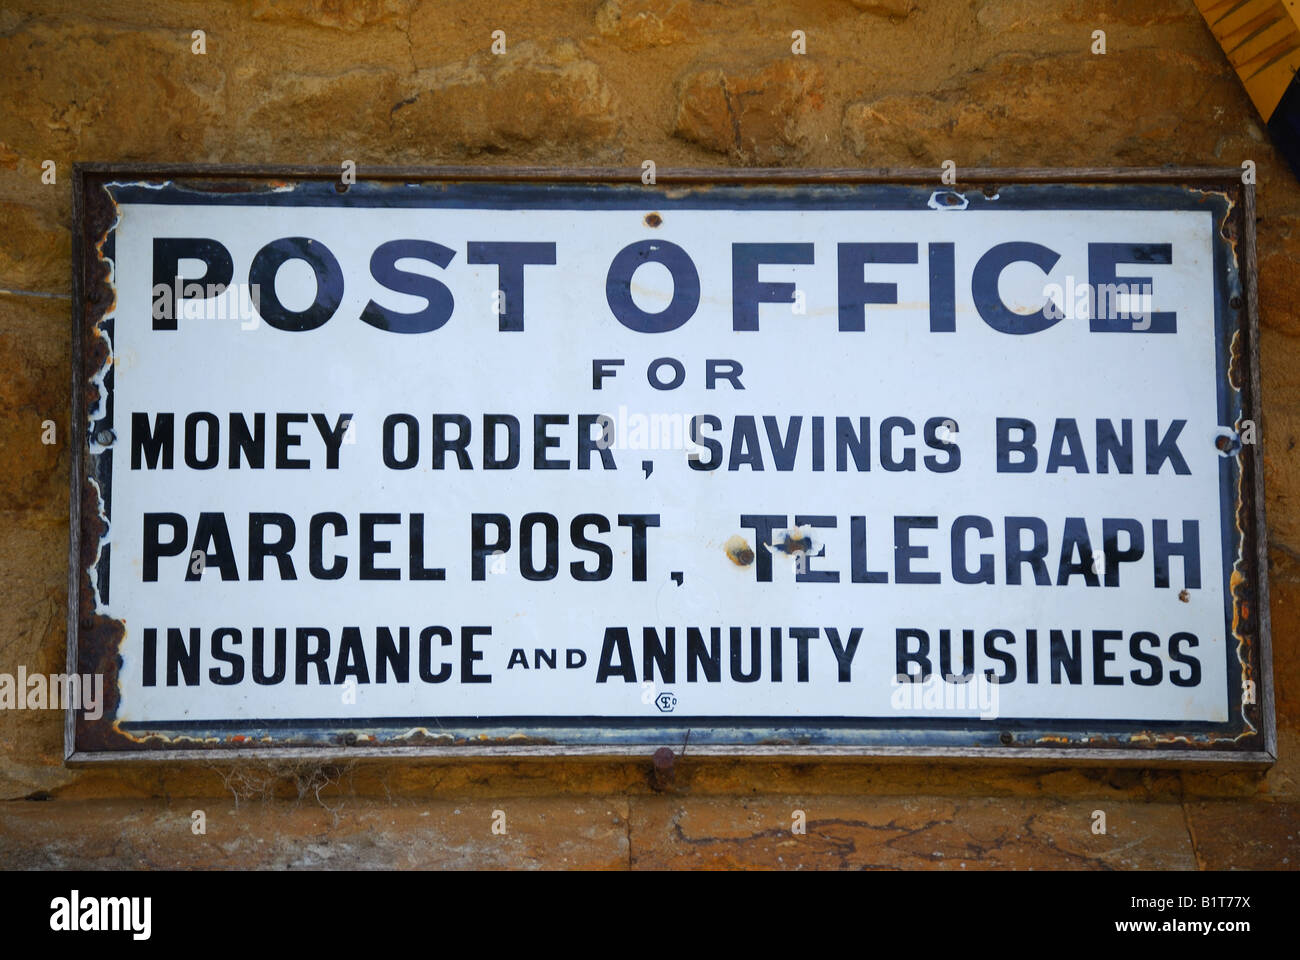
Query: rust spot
pixel 1184 596
pixel 653 220
pixel 739 550
pixel 663 772
pixel 423 738
pixel 794 542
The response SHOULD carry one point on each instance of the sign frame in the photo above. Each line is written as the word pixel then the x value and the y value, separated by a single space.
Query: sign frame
pixel 92 639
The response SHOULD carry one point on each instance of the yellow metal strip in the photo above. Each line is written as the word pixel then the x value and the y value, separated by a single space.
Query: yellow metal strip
pixel 1261 39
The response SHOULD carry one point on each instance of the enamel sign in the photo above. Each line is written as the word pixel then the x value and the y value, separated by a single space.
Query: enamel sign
pixel 455 463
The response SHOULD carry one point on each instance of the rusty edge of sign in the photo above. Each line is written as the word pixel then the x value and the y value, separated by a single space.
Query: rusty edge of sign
pixel 693 175
pixel 94 299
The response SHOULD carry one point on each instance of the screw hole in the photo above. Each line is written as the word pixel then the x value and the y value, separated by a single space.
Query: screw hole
pixel 341 187
pixel 1227 442
pixel 1235 303
pixel 653 220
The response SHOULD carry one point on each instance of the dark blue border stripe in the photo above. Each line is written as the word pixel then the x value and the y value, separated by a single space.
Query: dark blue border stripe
pixel 722 196
pixel 727 196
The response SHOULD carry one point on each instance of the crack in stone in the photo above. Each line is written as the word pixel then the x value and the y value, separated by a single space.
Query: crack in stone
pixel 731 112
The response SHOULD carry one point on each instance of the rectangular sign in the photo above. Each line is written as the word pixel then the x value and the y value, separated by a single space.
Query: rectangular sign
pixel 444 462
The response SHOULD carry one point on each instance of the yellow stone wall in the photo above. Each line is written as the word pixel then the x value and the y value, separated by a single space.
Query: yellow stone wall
pixel 903 83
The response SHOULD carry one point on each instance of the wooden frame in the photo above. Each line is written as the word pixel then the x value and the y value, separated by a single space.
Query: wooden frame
pixel 91 297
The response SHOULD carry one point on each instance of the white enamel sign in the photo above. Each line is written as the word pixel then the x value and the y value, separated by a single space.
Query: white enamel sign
pixel 534 458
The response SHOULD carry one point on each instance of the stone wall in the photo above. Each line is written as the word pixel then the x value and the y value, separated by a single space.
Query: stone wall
pixel 883 83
